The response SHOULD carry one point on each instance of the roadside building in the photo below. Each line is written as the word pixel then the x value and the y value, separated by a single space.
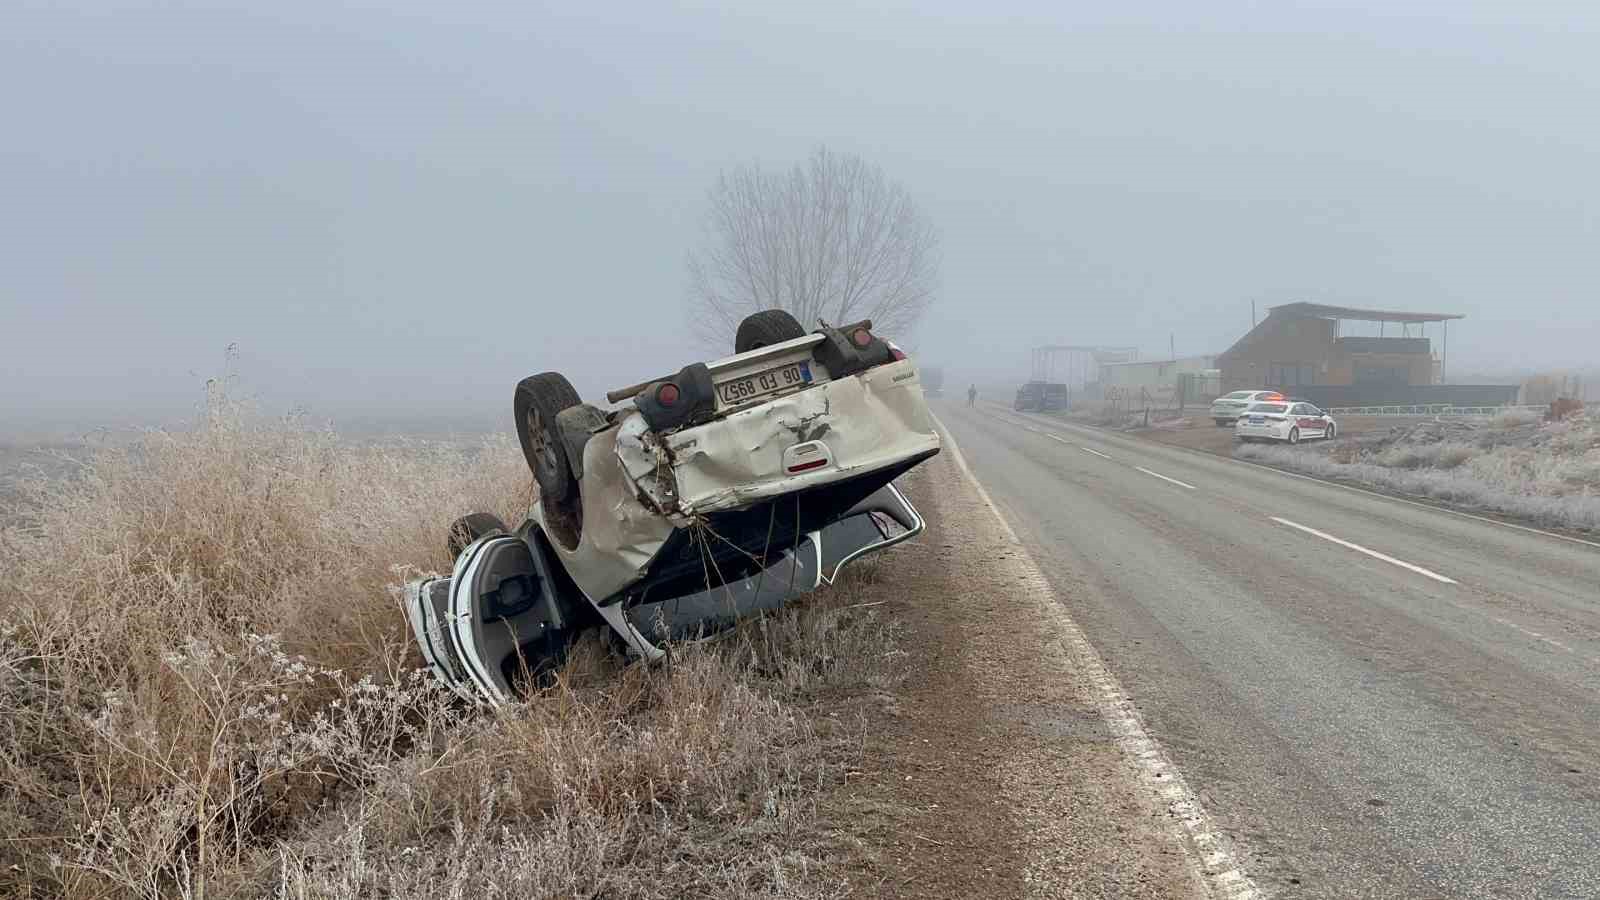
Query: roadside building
pixel 1301 344
pixel 1157 382
pixel 1341 356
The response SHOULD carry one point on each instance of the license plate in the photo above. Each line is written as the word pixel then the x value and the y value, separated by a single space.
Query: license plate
pixel 1257 420
pixel 739 391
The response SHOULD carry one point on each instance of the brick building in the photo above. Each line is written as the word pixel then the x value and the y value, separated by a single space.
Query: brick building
pixel 1300 344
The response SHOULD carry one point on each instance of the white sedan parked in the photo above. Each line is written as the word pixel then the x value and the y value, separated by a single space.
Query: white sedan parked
pixel 1288 420
pixel 1226 409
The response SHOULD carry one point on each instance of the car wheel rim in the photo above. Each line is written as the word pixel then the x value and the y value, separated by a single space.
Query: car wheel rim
pixel 539 441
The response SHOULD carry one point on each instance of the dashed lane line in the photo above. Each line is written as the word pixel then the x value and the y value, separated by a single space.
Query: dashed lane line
pixel 1429 573
pixel 1182 484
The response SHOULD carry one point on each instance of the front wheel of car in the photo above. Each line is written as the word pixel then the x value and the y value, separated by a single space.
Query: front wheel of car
pixel 1294 435
pixel 765 328
pixel 1333 431
pixel 469 528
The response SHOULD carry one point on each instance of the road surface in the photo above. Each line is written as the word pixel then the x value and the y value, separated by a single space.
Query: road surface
pixel 1371 698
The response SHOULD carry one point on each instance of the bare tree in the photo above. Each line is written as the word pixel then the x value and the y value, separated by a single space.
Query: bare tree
pixel 833 239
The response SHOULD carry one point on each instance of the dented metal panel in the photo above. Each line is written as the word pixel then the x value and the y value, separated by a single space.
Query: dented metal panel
pixel 868 422
pixel 640 485
pixel 621 534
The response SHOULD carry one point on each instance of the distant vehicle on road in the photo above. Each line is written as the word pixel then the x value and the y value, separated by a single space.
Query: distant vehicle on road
pixel 1226 409
pixel 1040 396
pixel 1289 420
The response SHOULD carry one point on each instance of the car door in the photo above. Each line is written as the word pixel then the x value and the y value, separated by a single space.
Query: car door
pixel 1323 419
pixel 510 613
pixel 885 518
pixel 1305 418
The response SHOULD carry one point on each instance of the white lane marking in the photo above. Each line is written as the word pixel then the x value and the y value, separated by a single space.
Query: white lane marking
pixel 1092 450
pixel 1175 481
pixel 1212 856
pixel 1533 634
pixel 1372 553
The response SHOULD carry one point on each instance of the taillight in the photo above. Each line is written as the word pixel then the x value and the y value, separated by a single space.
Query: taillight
pixel 667 394
pixel 895 352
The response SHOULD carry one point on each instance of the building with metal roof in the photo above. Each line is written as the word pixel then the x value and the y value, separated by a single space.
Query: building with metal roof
pixel 1300 345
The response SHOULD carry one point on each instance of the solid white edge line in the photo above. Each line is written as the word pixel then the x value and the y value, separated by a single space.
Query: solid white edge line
pixel 1175 481
pixel 1210 853
pixel 1094 451
pixel 1372 553
pixel 1345 487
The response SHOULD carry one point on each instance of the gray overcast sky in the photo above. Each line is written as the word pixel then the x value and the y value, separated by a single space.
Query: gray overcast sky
pixel 411 205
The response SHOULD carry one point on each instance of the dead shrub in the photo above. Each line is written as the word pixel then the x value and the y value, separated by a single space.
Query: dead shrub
pixel 1514 418
pixel 207 688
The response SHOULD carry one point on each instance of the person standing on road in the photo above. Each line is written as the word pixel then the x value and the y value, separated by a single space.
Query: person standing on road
pixel 972 395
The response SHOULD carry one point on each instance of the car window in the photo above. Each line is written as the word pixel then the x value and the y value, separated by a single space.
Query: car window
pixel 1268 407
pixel 1301 409
pixel 1240 395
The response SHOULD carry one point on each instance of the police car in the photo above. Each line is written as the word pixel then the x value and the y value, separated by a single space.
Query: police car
pixel 1290 421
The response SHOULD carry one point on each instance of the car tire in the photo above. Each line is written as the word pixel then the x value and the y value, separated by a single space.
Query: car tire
pixel 539 398
pixel 1332 432
pixel 765 328
pixel 1294 435
pixel 1221 423
pixel 469 528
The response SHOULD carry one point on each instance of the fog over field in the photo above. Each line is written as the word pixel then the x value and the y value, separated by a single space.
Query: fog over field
pixel 401 209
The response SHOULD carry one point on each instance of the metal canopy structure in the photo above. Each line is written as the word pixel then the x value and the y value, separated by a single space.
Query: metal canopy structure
pixel 1076 365
pixel 1323 311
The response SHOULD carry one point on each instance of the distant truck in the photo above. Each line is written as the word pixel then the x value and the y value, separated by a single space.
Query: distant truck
pixel 1040 396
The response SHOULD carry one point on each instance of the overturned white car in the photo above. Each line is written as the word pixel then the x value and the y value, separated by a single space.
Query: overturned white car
pixel 723 489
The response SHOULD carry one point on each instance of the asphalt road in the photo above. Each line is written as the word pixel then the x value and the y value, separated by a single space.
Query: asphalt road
pixel 1372 698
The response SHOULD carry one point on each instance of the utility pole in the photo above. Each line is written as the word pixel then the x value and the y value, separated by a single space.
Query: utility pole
pixel 1172 346
pixel 1252 315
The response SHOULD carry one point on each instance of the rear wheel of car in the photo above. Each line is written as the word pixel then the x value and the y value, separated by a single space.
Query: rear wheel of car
pixel 1221 423
pixel 765 328
pixel 469 528
pixel 1294 435
pixel 538 399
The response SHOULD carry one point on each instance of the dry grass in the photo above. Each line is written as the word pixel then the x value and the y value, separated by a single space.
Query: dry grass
pixel 1545 473
pixel 206 689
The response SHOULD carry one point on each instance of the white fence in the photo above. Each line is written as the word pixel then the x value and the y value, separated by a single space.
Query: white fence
pixel 1435 409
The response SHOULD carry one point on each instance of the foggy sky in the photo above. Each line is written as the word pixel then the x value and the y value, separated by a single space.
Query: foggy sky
pixel 409 206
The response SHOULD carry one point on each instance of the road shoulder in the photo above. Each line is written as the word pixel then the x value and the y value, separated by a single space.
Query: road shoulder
pixel 990 771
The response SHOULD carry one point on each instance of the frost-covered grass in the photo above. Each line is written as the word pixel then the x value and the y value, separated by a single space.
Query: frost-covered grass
pixel 1544 473
pixel 207 689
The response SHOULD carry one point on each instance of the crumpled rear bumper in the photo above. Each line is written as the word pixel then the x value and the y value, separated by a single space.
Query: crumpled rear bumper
pixel 867 422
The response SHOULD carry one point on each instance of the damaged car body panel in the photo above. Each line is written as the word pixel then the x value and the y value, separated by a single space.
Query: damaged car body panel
pixel 490 625
pixel 835 441
pixel 851 425
pixel 724 489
